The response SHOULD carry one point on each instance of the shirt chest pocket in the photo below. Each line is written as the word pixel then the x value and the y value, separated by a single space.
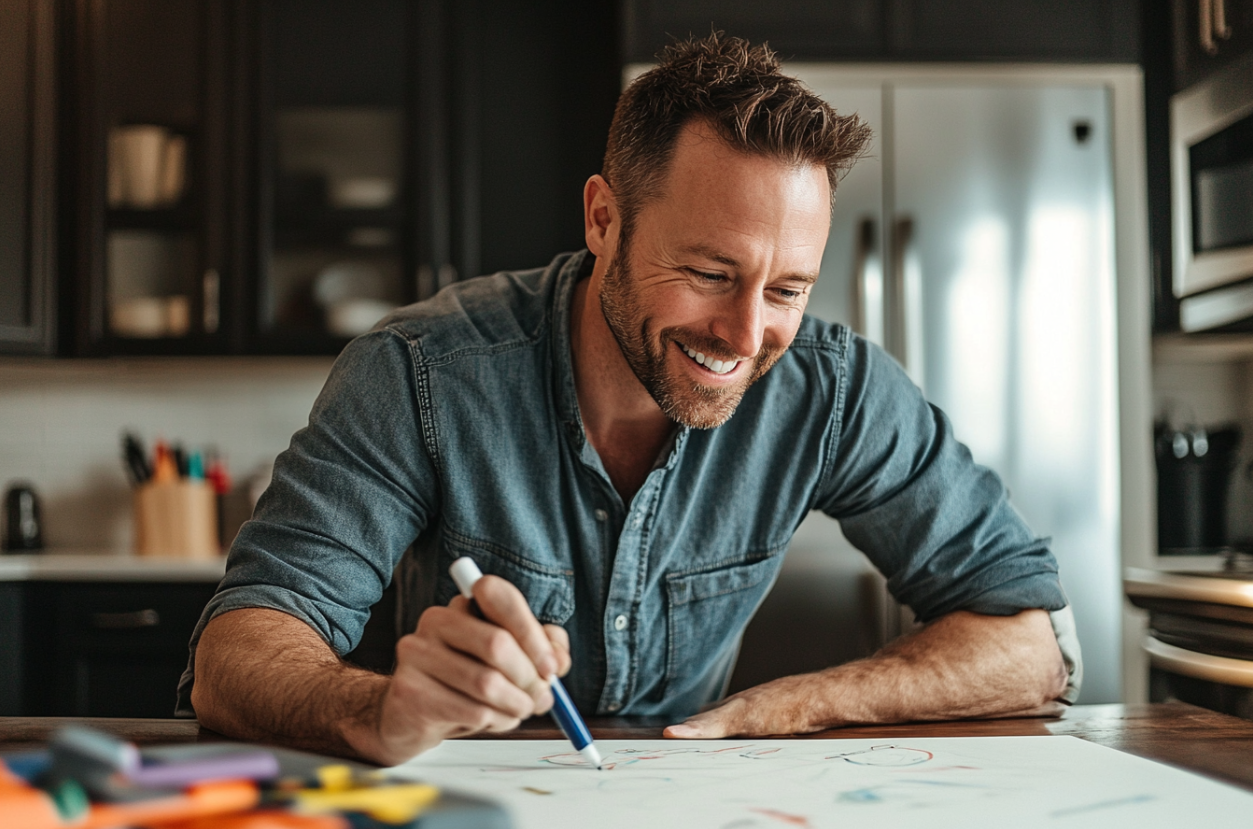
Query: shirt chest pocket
pixel 707 611
pixel 548 590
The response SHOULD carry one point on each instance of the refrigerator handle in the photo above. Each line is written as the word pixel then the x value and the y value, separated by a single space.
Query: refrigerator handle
pixel 867 286
pixel 1205 22
pixel 904 334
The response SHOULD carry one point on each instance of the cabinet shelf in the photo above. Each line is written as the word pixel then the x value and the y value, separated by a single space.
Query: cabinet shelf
pixel 180 218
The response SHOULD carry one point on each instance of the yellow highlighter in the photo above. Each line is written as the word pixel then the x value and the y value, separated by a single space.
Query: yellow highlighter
pixel 398 803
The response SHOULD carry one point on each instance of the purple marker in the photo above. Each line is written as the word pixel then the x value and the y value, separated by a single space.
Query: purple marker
pixel 465 573
pixel 244 765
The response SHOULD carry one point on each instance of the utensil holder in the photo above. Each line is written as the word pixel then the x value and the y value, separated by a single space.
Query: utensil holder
pixel 176 519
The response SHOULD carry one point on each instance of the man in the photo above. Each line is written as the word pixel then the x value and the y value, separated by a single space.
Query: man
pixel 627 440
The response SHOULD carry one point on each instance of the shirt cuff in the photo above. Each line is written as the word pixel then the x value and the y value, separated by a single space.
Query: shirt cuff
pixel 1068 641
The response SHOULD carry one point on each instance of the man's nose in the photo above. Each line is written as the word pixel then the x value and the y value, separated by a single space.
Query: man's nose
pixel 741 322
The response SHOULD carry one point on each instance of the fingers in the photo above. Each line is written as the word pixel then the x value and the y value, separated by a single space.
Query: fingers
pixel 496 680
pixel 560 640
pixel 480 659
pixel 504 605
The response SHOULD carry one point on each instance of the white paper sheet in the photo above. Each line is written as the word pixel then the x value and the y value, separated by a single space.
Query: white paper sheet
pixel 775 784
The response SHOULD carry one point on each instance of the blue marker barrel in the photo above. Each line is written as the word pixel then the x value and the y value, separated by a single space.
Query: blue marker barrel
pixel 567 718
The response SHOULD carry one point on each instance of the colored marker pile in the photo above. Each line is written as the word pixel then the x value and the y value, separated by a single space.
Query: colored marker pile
pixel 89 780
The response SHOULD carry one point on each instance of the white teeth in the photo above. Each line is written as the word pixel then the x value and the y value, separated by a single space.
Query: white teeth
pixel 716 366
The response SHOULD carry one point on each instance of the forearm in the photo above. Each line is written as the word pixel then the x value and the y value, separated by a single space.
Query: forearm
pixel 264 675
pixel 962 665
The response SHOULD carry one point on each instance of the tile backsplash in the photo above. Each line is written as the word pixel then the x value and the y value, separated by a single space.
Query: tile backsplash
pixel 61 423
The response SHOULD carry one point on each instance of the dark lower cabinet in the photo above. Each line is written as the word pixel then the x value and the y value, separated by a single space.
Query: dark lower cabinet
pixel 95 649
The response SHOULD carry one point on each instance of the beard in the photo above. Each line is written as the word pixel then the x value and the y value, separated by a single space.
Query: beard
pixel 681 399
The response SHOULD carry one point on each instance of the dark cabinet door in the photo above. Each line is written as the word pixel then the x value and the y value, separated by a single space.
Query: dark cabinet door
pixel 1208 35
pixel 27 187
pixel 122 648
pixel 1036 30
pixel 350 165
pixel 908 30
pixel 797 29
pixel 149 195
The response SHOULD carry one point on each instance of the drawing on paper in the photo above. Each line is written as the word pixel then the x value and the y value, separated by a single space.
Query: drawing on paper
pixel 816 784
pixel 630 756
pixel 885 756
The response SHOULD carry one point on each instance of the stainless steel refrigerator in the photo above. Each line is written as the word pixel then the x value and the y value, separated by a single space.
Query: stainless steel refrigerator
pixel 977 243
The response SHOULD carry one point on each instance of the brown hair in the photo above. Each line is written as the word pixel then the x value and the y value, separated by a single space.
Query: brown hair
pixel 740 90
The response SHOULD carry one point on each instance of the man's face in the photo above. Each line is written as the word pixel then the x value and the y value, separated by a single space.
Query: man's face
pixel 708 291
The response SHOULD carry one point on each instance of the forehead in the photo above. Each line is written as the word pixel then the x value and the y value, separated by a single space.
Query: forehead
pixel 710 180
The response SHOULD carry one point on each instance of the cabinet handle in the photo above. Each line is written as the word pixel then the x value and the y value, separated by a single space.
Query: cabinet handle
pixel 129 620
pixel 212 300
pixel 1221 29
pixel 1205 21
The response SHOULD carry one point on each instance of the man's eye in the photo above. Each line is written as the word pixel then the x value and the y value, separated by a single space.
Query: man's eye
pixel 706 275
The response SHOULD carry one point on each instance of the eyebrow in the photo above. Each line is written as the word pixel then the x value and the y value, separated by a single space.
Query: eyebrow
pixel 731 262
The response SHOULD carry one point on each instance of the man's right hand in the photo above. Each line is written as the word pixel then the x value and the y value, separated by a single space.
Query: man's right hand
pixel 458 674
pixel 265 675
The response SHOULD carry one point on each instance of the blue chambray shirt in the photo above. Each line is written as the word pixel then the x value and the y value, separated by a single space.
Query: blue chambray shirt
pixel 453 429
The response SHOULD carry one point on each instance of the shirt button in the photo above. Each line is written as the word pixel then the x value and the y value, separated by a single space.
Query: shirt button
pixel 601 515
pixel 614 706
pixel 620 623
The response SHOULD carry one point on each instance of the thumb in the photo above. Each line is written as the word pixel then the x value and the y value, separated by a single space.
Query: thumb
pixel 711 725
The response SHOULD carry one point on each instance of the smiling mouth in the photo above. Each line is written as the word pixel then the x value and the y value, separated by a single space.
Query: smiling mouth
pixel 714 365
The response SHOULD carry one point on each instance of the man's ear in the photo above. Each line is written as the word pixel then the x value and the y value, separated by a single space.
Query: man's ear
pixel 600 216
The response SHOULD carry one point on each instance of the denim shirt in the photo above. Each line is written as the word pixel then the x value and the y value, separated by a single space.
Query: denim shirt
pixel 453 429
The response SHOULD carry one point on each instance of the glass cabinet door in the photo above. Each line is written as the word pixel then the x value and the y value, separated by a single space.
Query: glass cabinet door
pixel 157 272
pixel 335 162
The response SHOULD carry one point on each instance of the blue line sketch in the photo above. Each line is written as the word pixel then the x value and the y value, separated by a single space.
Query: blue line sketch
pixel 895 756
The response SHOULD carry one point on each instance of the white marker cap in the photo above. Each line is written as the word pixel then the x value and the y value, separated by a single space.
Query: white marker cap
pixel 465 573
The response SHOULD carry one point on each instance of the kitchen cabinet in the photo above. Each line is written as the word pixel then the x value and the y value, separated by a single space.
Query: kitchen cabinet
pixel 107 636
pixel 271 178
pixel 95 649
pixel 900 30
pixel 1208 35
pixel 149 200
pixel 27 177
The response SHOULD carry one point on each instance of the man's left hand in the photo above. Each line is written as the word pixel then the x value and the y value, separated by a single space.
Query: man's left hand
pixel 963 665
pixel 781 706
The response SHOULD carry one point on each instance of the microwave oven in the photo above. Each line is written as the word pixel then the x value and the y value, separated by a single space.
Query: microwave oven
pixel 1211 127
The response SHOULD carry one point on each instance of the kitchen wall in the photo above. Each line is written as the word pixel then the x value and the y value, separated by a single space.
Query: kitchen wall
pixel 61 421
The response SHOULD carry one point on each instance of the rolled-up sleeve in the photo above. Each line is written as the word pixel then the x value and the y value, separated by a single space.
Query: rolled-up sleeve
pixel 348 497
pixel 939 526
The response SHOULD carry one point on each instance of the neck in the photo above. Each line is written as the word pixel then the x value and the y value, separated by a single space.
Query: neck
pixel 623 422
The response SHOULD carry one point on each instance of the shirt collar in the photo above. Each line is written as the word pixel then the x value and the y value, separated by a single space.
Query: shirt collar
pixel 579 266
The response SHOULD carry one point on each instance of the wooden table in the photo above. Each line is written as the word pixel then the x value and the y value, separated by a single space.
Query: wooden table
pixel 1182 735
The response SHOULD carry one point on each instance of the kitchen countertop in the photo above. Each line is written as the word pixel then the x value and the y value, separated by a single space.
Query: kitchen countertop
pixel 107 566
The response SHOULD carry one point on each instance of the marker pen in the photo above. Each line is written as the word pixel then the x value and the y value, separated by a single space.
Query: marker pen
pixel 465 573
